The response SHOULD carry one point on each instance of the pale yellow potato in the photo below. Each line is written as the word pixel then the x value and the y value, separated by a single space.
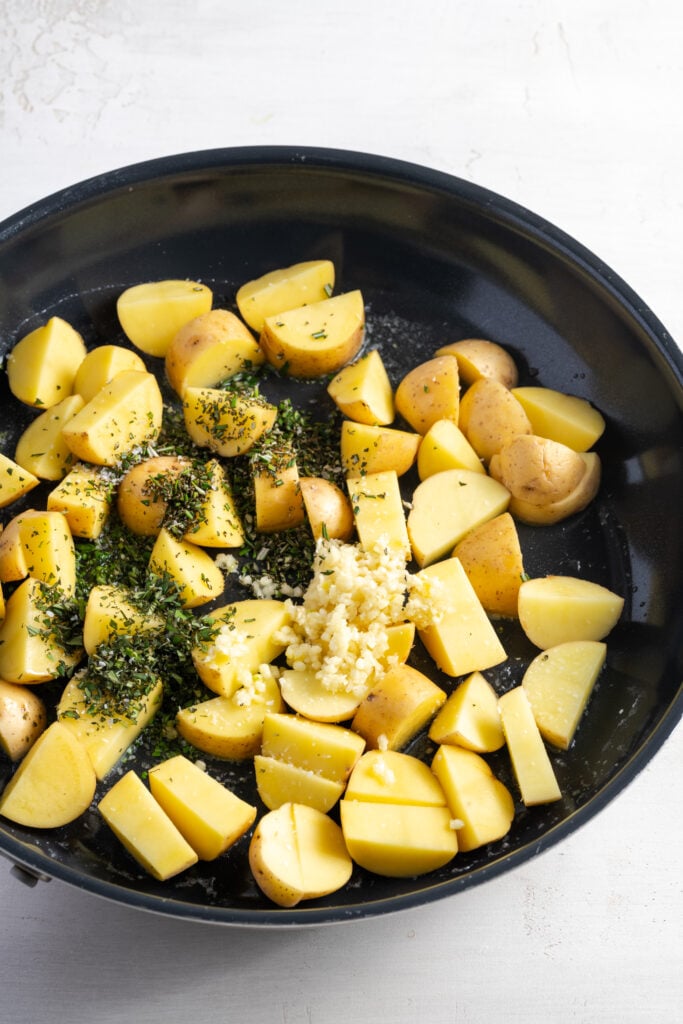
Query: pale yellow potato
pixel 153 312
pixel 478 357
pixel 559 683
pixel 490 416
pixel 429 392
pixel 446 506
pixel 378 510
pixel 139 510
pixel 125 413
pixel 105 738
pixel 538 471
pixel 362 391
pixel 39 544
pixel 84 497
pixel 556 609
pixel 444 446
pixel 54 783
pixel 29 650
pixel 530 762
pixel 283 289
pixel 208 815
pixel 461 639
pixel 230 727
pixel 305 694
pixel 320 748
pixel 110 612
pixel 492 557
pixel 101 365
pixel 210 349
pixel 280 782
pixel 390 777
pixel 400 640
pixel 298 853
pixel 477 800
pixel 366 448
pixel 42 366
pixel 247 640
pixel 565 418
pixel 278 500
pixel 197 576
pixel 224 423
pixel 555 511
pixel 317 339
pixel 15 482
pixel 218 523
pixel 144 828
pixel 41 448
pixel 397 708
pixel 328 509
pixel 23 718
pixel 398 840
pixel 470 718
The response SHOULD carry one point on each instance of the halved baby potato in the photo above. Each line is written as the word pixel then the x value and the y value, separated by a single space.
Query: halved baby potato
pixel 42 366
pixel 363 392
pixel 209 349
pixel 479 357
pixel 283 289
pixel 151 313
pixel 317 339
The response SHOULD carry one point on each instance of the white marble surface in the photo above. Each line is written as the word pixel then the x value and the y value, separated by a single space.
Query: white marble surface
pixel 570 108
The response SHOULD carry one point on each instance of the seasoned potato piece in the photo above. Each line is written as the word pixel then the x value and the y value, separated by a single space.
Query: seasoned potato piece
pixel 14 481
pixel 532 767
pixel 397 707
pixel 328 509
pixel 84 497
pixel 101 365
pixel 491 556
pixel 151 313
pixel 313 340
pixel 476 798
pixel 372 449
pixel 444 446
pixel 42 366
pixel 39 544
pixel 218 524
pixel 109 612
pixel 429 392
pixel 23 718
pixel 363 392
pixel 490 415
pixel 139 508
pixel 198 577
pixel 558 684
pixel 41 449
pixel 555 609
pixel 470 718
pixel 224 423
pixel 210 349
pixel 378 510
pixel 478 357
pixel 53 785
pixel 565 418
pixel 278 500
pixel 286 288
pixel 30 650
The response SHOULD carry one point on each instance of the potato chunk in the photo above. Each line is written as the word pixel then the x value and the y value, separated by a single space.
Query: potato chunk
pixel 444 446
pixel 558 684
pixel 23 718
pixel 571 420
pixel 30 650
pixel 492 558
pixel 328 509
pixel 84 497
pixel 151 313
pixel 53 785
pixel 42 366
pixel 283 289
pixel 39 544
pixel 530 762
pixel 305 694
pixel 490 415
pixel 101 365
pixel 329 750
pixel 390 777
pixel 210 349
pixel 470 718
pixel 429 392
pixel 14 481
pixel 41 449
pixel 363 392
pixel 198 577
pixel 315 339
pixel 481 804
pixel 398 840
pixel 555 609
pixel 378 510
pixel 397 707
pixel 224 423
pixel 479 357
pixel 366 448
pixel 231 727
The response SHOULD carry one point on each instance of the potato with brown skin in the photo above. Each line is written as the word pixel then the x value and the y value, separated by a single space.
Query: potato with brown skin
pixel 490 416
pixel 328 509
pixel 22 719
pixel 139 510
pixel 575 501
pixel 478 357
pixel 429 392
pixel 210 349
pixel 314 340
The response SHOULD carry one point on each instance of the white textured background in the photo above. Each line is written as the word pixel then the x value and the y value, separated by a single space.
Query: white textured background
pixel 569 108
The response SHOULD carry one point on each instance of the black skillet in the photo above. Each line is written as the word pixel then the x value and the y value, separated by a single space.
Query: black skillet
pixel 437 259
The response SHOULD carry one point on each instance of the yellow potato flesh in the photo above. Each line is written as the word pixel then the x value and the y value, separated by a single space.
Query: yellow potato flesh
pixel 283 289
pixel 305 694
pixel 23 718
pixel 101 365
pixel 39 544
pixel 446 506
pixel 558 685
pixel 109 612
pixel 378 510
pixel 491 556
pixel 210 349
pixel 151 313
pixel 530 762
pixel 279 782
pixel 479 802
pixel 207 814
pixel 104 738
pixel 278 501
pixel 366 448
pixel 316 339
pixel 218 524
pixel 84 497
pixel 388 776
pixel 144 829
pixel 461 639
pixel 363 392
pixel 29 650
pixel 14 481
pixel 41 449
pixel 197 576
pixel 444 446
pixel 400 640
pixel 42 366
pixel 327 750
pixel 556 609
pixel 565 418
pixel 53 785
pixel 429 392
pixel 478 357
pixel 397 707
pixel 225 424
pixel 328 509
pixel 398 840
pixel 470 718
pixel 224 727
pixel 125 413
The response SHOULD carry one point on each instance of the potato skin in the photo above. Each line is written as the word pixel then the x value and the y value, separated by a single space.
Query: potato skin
pixel 22 719
pixel 478 357
pixel 139 511
pixel 429 392
pixel 490 416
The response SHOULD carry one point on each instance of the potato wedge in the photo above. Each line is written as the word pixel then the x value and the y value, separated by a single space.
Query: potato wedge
pixel 30 650
pixel 224 423
pixel 278 501
pixel 568 419
pixel 41 449
pixel 363 392
pixel 390 777
pixel 328 509
pixel 198 577
pixel 109 612
pixel 23 717
pixel 444 446
pixel 210 349
pixel 490 415
pixel 151 313
pixel 231 727
pixel 15 481
pixel 279 782
pixel 470 718
pixel 328 750
pixel 492 558
pixel 316 339
pixel 479 801
pixel 39 544
pixel 101 365
pixel 42 366
pixel 84 497
pixel 366 448
pixel 378 510
pixel 305 694
pixel 283 289
pixel 397 707
pixel 398 840
pixel 429 392
pixel 479 357
pixel 558 685
pixel 532 767
pixel 556 609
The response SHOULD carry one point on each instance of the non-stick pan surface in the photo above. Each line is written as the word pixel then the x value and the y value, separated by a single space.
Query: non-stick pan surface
pixel 437 259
